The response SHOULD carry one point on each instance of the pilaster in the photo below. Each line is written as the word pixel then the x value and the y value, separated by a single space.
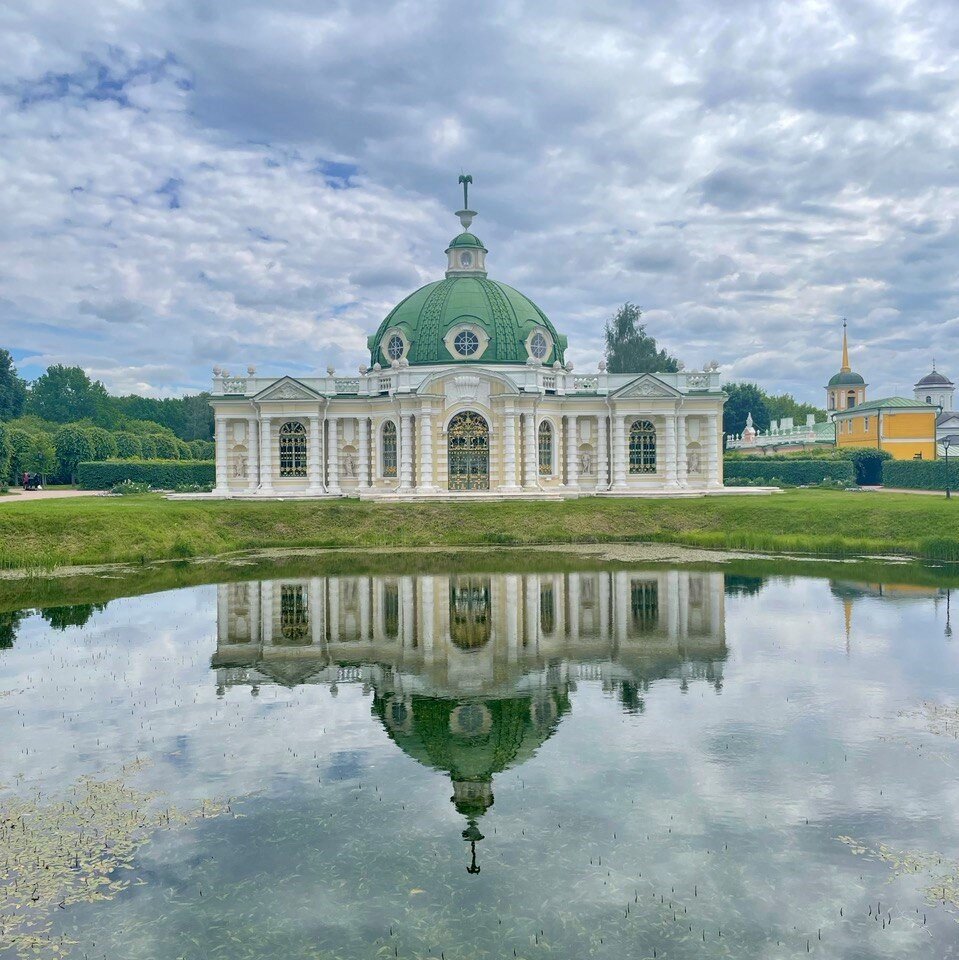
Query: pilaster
pixel 313 457
pixel 619 452
pixel 222 483
pixel 253 457
pixel 602 454
pixel 712 449
pixel 363 425
pixel 266 456
pixel 333 457
pixel 509 449
pixel 670 451
pixel 406 452
pixel 572 470
pixel 425 478
pixel 682 468
pixel 531 452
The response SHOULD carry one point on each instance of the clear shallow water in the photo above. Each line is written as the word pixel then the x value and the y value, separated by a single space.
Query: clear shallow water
pixel 594 764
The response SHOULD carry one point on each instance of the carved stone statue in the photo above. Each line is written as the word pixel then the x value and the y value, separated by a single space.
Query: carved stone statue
pixel 349 466
pixel 239 468
pixel 586 464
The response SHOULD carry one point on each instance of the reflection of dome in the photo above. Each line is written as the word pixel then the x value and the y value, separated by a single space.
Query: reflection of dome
pixel 472 740
pixel 427 316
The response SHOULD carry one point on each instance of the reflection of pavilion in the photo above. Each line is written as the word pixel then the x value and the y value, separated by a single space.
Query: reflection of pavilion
pixel 471 674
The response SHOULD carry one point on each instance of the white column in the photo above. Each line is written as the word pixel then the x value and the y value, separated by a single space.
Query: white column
pixel 712 451
pixel 406 451
pixel 682 468
pixel 333 459
pixel 222 483
pixel 316 621
pixel 620 606
pixel 407 621
pixel 602 456
pixel 266 457
pixel 364 588
pixel 363 470
pixel 313 460
pixel 333 609
pixel 531 584
pixel 571 445
pixel 619 452
pixel 252 460
pixel 224 614
pixel 427 614
pixel 266 613
pixel 530 480
pixel 426 452
pixel 670 451
pixel 511 585
pixel 573 580
pixel 509 449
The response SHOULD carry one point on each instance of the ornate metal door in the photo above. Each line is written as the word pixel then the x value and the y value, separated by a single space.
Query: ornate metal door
pixel 468 452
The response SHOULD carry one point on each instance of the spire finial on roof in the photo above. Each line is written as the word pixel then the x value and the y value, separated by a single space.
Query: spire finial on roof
pixel 466 215
pixel 845 368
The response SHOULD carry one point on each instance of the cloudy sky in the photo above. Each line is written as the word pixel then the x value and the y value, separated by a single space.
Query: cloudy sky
pixel 186 183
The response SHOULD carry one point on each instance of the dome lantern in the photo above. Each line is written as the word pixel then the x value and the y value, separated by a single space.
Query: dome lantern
pixel 466 253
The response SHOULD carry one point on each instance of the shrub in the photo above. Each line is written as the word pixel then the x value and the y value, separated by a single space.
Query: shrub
pixel 102 442
pixel 73 446
pixel 202 450
pixel 166 448
pixel 867 462
pixel 126 487
pixel 4 452
pixel 787 472
pixel 148 447
pixel 159 474
pixel 920 474
pixel 129 446
pixel 20 443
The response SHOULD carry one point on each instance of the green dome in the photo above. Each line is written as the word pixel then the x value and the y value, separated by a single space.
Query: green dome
pixel 846 380
pixel 467 240
pixel 427 316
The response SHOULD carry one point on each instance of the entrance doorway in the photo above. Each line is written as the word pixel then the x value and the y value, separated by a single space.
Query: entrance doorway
pixel 468 452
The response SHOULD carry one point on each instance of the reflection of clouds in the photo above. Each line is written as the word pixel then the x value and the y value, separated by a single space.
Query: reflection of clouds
pixel 803 719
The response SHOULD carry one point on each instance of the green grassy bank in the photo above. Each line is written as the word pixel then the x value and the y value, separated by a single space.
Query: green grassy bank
pixel 137 529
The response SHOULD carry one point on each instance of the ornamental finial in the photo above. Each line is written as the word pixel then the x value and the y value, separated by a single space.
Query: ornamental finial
pixel 466 215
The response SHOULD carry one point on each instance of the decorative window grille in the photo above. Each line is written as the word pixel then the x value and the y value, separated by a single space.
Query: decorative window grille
pixel 292 449
pixel 538 346
pixel 394 349
pixel 545 449
pixel 642 447
pixel 466 343
pixel 294 614
pixel 389 449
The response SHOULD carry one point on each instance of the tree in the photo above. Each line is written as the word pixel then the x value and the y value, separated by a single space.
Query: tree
pixel 20 442
pixel 4 453
pixel 629 349
pixel 72 446
pixel 41 456
pixel 786 405
pixel 128 446
pixel 165 447
pixel 64 394
pixel 13 390
pixel 104 446
pixel 148 447
pixel 744 398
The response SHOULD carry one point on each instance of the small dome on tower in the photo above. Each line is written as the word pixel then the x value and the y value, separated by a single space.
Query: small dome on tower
pixel 934 379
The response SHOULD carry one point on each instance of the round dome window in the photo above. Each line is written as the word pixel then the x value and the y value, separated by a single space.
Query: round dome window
pixel 395 347
pixel 538 346
pixel 466 343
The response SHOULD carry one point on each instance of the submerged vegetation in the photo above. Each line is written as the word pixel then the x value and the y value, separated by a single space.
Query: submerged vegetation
pixel 138 529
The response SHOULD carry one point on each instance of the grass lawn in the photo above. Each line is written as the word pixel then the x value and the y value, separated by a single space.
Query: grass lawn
pixel 90 530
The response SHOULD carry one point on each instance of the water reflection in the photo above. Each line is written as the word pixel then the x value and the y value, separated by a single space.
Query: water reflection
pixel 471 674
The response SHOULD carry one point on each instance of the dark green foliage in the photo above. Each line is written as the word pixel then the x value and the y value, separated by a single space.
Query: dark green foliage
pixel 20 444
pixel 160 474
pixel 4 452
pixel 744 398
pixel 74 615
pixel 72 445
pixel 629 349
pixel 202 450
pixel 13 390
pixel 65 394
pixel 786 405
pixel 920 474
pixel 868 463
pixel 794 472
pixel 41 456
pixel 129 446
pixel 148 446
pixel 166 448
pixel 190 418
pixel 9 622
pixel 184 452
pixel 102 442
pixel 739 586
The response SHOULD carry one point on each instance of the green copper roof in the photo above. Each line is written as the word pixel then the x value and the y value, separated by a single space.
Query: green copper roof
pixel 849 379
pixel 467 240
pixel 886 403
pixel 427 315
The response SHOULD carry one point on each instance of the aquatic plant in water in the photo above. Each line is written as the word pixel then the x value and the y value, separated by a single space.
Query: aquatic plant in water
pixel 59 852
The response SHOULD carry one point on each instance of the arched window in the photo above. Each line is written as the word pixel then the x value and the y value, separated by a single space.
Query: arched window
pixel 850 399
pixel 545 449
pixel 928 399
pixel 642 447
pixel 389 449
pixel 832 400
pixel 292 449
pixel 547 609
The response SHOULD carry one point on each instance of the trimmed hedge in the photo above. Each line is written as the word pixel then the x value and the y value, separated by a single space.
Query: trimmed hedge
pixel 164 474
pixel 789 471
pixel 920 474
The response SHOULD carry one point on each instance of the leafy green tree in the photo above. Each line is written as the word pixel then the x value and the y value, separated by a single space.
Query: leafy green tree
pixel 743 399
pixel 13 390
pixel 183 450
pixel 72 446
pixel 20 443
pixel 74 615
pixel 148 447
pixel 4 452
pixel 9 623
pixel 104 446
pixel 202 449
pixel 66 394
pixel 128 446
pixel 629 349
pixel 166 447
pixel 41 456
pixel 786 405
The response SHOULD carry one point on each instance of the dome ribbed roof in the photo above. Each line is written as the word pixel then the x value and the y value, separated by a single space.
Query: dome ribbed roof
pixel 848 379
pixel 426 316
pixel 934 379
pixel 467 240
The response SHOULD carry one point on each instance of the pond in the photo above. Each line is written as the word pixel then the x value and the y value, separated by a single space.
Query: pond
pixel 597 762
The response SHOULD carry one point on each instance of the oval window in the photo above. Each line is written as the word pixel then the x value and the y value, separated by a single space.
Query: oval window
pixel 538 346
pixel 395 347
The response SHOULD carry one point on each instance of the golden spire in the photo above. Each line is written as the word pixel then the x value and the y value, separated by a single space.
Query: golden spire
pixel 845 368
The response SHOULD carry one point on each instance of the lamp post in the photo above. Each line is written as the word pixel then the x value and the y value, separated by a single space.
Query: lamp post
pixel 947 442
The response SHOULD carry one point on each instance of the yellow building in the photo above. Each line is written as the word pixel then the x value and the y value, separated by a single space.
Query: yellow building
pixel 906 428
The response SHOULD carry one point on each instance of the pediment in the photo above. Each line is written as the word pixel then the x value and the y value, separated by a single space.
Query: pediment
pixel 646 387
pixel 287 388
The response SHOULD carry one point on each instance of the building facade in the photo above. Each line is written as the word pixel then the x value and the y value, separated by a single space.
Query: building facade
pixel 905 428
pixel 468 393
